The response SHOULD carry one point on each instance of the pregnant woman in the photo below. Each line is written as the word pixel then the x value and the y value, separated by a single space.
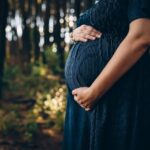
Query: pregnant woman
pixel 108 78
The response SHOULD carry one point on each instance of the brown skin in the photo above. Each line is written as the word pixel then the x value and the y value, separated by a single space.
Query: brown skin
pixel 127 54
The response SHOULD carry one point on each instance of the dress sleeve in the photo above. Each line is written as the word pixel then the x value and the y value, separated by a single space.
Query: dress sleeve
pixel 99 15
pixel 138 9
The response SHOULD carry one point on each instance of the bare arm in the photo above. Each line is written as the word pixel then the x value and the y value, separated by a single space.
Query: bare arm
pixel 128 53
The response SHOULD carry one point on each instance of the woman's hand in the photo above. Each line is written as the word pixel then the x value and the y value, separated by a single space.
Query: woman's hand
pixel 85 33
pixel 85 97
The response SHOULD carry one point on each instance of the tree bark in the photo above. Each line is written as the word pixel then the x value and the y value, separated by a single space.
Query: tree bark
pixel 46 27
pixel 57 37
pixel 36 35
pixel 26 53
pixel 77 7
pixel 3 21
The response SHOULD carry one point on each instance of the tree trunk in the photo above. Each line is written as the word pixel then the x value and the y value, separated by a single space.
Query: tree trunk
pixel 36 35
pixel 77 7
pixel 26 53
pixel 3 19
pixel 46 28
pixel 58 39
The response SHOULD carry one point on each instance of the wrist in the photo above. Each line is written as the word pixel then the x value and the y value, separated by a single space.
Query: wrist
pixel 92 93
pixel 72 37
pixel 96 91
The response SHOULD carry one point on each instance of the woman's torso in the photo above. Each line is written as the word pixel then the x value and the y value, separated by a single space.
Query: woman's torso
pixel 86 59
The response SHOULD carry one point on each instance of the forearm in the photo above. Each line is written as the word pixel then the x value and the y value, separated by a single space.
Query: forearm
pixel 127 54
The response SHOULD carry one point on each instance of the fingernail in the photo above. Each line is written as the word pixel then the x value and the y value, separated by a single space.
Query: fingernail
pixel 98 36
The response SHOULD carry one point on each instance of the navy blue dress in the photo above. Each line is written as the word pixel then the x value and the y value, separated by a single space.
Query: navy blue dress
pixel 121 118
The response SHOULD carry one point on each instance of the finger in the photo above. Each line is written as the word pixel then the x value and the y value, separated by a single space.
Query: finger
pixel 91 29
pixel 85 106
pixel 83 102
pixel 96 34
pixel 88 106
pixel 86 37
pixel 89 37
pixel 93 33
pixel 86 28
pixel 87 109
pixel 82 106
pixel 96 31
pixel 76 98
pixel 74 92
pixel 82 39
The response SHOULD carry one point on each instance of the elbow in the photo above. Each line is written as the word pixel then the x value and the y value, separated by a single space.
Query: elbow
pixel 139 33
pixel 140 41
pixel 144 39
pixel 144 42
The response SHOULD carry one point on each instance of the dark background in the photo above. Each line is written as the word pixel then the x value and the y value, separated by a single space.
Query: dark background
pixel 34 44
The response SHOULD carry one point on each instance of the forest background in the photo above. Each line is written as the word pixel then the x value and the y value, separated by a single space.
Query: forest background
pixel 34 44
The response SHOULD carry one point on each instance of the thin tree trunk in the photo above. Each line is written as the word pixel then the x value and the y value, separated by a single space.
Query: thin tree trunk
pixel 36 35
pixel 77 7
pixel 3 19
pixel 46 28
pixel 26 36
pixel 57 36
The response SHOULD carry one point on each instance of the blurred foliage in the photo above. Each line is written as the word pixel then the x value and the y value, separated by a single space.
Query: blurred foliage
pixel 52 59
pixel 51 105
pixel 15 125
pixel 49 92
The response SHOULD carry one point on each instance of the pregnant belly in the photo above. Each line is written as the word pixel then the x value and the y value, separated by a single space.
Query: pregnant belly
pixel 83 64
pixel 86 60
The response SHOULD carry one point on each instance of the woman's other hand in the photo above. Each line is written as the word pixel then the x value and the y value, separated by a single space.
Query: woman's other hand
pixel 85 33
pixel 85 97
